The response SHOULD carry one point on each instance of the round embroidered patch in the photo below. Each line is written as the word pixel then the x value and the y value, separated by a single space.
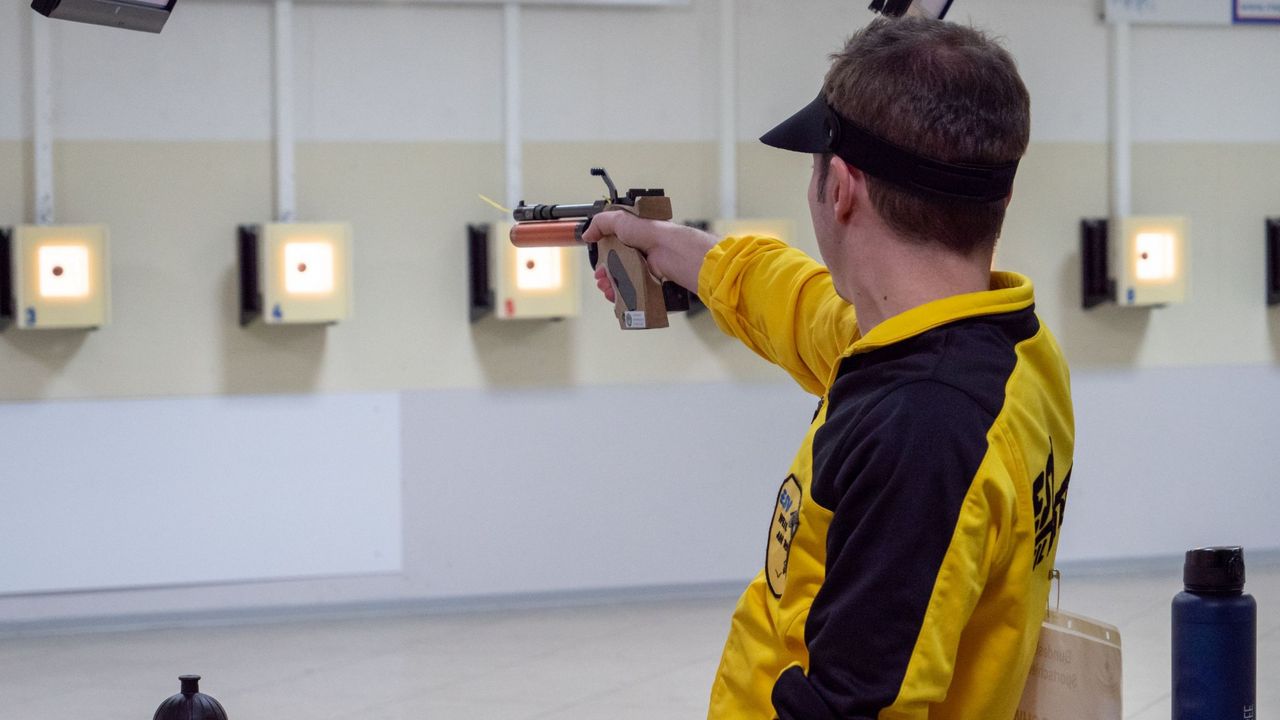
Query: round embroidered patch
pixel 782 530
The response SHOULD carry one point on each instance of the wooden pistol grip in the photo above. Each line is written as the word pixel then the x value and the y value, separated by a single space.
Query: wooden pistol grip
pixel 638 300
pixel 637 295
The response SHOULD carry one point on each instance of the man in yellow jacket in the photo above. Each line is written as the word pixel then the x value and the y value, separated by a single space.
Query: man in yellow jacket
pixel 911 541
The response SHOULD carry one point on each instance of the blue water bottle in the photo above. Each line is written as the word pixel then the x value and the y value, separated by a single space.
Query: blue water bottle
pixel 1214 639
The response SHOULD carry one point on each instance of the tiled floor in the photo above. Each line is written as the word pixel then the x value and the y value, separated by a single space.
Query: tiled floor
pixel 650 660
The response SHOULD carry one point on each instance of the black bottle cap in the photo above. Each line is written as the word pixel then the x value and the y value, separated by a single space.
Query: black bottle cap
pixel 190 704
pixel 1214 570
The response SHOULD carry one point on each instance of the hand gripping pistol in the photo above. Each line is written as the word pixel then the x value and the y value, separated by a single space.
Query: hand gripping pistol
pixel 641 300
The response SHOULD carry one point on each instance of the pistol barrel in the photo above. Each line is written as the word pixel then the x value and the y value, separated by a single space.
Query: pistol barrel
pixel 553 212
pixel 547 233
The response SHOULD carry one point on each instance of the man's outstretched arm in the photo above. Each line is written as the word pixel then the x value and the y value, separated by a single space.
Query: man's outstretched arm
pixel 774 298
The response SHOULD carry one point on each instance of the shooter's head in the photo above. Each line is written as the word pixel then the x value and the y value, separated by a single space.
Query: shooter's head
pixel 935 115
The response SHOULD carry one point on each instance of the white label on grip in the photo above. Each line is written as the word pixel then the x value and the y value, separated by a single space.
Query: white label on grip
pixel 633 319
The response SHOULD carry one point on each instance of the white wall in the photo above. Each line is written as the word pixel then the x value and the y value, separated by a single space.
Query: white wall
pixel 421 72
pixel 101 495
pixel 1169 459
pixel 166 137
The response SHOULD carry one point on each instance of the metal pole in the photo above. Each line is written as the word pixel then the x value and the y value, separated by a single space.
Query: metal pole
pixel 511 103
pixel 42 118
pixel 286 199
pixel 1121 122
pixel 728 111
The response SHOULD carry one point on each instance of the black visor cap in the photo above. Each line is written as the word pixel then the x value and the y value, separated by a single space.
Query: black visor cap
pixel 806 131
pixel 817 128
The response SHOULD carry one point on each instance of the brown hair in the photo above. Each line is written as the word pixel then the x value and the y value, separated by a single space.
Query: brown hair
pixel 947 92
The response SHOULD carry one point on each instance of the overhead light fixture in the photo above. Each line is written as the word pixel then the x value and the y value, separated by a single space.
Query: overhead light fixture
pixel 295 273
pixel 520 283
pixel 1134 261
pixel 144 15
pixel 54 276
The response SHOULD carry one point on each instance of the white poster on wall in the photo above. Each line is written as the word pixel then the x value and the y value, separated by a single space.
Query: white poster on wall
pixel 1193 12
pixel 1256 11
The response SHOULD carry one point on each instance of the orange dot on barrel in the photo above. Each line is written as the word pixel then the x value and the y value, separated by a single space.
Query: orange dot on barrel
pixel 302 267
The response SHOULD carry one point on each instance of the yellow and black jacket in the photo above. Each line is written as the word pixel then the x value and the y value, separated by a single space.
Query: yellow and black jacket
pixel 909 550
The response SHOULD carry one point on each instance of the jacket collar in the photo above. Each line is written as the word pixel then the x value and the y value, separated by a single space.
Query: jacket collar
pixel 1009 292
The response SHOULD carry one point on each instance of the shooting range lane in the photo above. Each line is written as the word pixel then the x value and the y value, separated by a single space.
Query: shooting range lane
pixel 173 166
pixel 633 661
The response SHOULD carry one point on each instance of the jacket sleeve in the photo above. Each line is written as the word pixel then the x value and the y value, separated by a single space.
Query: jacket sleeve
pixel 914 533
pixel 781 304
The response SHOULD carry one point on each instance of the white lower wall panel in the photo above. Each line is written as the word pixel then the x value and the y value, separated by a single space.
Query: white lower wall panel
pixel 595 487
pixel 1168 459
pixel 512 491
pixel 97 495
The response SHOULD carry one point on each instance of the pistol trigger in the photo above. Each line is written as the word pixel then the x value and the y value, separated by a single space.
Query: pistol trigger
pixel 593 254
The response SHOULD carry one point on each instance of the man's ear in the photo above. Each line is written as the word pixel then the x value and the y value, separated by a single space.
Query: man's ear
pixel 848 189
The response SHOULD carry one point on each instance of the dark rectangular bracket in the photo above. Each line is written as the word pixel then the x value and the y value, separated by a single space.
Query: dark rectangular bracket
pixel 696 306
pixel 247 248
pixel 480 290
pixel 676 298
pixel 6 277
pixel 1095 272
pixel 1273 261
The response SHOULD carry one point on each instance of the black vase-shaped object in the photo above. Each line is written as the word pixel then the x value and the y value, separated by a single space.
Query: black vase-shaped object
pixel 190 704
